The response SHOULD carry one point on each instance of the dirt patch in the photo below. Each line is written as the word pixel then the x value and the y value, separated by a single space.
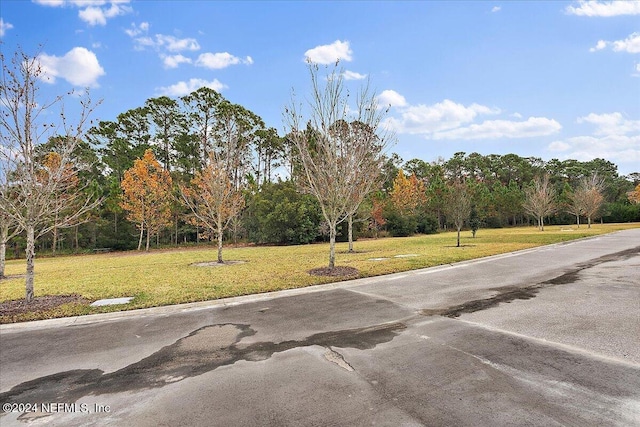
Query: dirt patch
pixel 216 263
pixel 13 276
pixel 353 252
pixel 335 272
pixel 16 307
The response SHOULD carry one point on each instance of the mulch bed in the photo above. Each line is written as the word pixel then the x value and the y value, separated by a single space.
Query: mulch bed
pixel 335 271
pixel 15 307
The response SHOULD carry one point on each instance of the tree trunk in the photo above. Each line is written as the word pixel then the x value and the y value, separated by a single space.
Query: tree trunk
pixel 141 234
pixel 148 238
pixel 77 244
pixel 220 235
pixel 541 221
pixel 332 246
pixel 350 233
pixel 578 220
pixel 3 249
pixel 458 245
pixel 589 221
pixel 31 255
pixel 55 240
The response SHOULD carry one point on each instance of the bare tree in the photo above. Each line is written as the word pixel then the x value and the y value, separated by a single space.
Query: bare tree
pixel 338 148
pixel 213 199
pixel 589 194
pixel 540 199
pixel 587 198
pixel 458 205
pixel 37 184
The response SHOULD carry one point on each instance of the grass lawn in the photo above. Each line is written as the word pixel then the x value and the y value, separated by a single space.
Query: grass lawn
pixel 168 277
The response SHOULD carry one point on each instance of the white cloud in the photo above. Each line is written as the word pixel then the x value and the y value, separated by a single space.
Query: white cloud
pixel 614 138
pixel 173 44
pixel 173 61
pixel 4 26
pixel 428 119
pixel 217 61
pixel 79 66
pixel 93 12
pixel 391 98
pixel 559 146
pixel 611 124
pixel 185 88
pixel 599 46
pixel 631 44
pixel 352 75
pixel 495 129
pixel 136 30
pixel 604 8
pixel 161 41
pixel 495 9
pixel 621 149
pixel 516 115
pixel 329 53
pixel 51 3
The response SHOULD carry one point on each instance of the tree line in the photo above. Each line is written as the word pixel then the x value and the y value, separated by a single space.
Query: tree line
pixel 180 171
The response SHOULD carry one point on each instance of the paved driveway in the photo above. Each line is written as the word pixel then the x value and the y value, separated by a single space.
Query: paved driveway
pixel 542 337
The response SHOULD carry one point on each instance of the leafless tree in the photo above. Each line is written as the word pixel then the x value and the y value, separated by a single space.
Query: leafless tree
pixel 540 199
pixel 458 205
pixel 213 199
pixel 33 185
pixel 9 228
pixel 589 196
pixel 339 148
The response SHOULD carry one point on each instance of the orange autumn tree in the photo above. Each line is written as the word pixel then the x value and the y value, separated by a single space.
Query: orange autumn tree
pixel 408 193
pixel 634 196
pixel 147 196
pixel 65 198
pixel 213 200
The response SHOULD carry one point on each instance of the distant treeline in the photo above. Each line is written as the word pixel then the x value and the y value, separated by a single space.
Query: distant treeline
pixel 411 196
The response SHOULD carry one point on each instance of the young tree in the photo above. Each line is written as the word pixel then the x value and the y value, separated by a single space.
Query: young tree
pixel 540 199
pixel 634 196
pixel 458 205
pixel 65 200
pixel 213 199
pixel 377 220
pixel 9 227
pixel 35 185
pixel 587 199
pixel 147 196
pixel 338 149
pixel 407 193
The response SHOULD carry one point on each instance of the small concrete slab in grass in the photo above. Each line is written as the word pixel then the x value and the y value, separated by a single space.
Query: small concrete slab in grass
pixel 216 263
pixel 111 301
pixel 406 256
pixel 378 259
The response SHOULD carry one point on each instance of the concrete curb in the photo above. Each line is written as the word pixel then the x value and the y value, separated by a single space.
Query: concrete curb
pixel 245 299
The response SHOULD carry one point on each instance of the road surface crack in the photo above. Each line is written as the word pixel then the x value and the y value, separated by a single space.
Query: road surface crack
pixel 337 358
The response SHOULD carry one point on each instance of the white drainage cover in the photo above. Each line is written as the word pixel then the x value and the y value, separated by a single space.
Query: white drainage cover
pixel 111 301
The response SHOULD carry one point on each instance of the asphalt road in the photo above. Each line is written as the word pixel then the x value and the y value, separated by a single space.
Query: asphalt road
pixel 543 337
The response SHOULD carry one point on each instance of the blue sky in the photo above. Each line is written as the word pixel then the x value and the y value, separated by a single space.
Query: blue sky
pixel 548 79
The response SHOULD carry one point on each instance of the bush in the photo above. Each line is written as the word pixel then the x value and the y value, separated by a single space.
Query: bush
pixel 279 214
pixel 427 225
pixel 399 225
pixel 621 212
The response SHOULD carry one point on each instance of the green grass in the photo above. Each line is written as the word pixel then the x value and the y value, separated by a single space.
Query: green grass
pixel 168 277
